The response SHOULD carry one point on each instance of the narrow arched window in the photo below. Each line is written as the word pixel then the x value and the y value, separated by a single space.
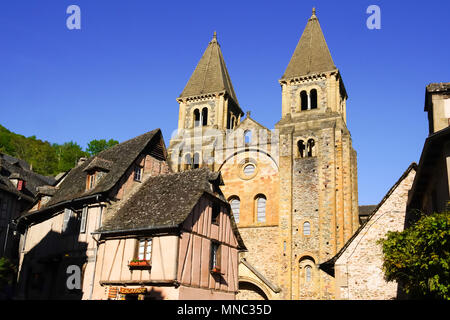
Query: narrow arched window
pixel 301 148
pixel 304 100
pixel 248 136
pixel 235 204
pixel 196 160
pixel 311 148
pixel 260 208
pixel 313 98
pixel 306 229
pixel 196 118
pixel 187 162
pixel 204 116
pixel 308 274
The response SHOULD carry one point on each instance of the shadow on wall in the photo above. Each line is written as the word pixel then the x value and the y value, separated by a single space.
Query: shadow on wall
pixel 45 269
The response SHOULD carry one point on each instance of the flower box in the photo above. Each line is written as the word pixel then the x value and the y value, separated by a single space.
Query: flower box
pixel 139 263
pixel 215 270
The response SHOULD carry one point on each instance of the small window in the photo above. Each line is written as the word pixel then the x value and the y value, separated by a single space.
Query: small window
pixel 306 229
pixel 66 219
pixel 83 219
pixel 204 116
pixel 145 249
pixel 91 180
pixel 249 169
pixel 215 217
pixel 235 204
pixel 187 162
pixel 248 137
pixel 215 257
pixel 196 160
pixel 138 173
pixel 303 100
pixel 301 148
pixel 311 148
pixel 313 97
pixel 197 118
pixel 261 208
pixel 308 274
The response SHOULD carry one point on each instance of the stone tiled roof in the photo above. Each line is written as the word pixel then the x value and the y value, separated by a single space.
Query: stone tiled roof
pixel 210 75
pixel 117 159
pixel 311 54
pixel 166 201
pixel 13 168
pixel 438 87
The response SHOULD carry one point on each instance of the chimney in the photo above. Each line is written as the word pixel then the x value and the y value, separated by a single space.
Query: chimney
pixel 81 161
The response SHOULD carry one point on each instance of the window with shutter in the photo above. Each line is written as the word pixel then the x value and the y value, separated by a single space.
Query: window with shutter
pixel 66 218
pixel 83 219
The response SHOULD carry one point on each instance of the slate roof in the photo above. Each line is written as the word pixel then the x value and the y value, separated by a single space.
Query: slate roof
pixel 117 159
pixel 311 54
pixel 11 167
pixel 210 75
pixel 166 201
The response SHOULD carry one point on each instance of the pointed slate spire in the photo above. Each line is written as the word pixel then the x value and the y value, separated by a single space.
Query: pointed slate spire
pixel 210 75
pixel 311 54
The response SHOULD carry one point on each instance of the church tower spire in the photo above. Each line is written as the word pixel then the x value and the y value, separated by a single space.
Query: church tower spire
pixel 311 54
pixel 311 79
pixel 209 99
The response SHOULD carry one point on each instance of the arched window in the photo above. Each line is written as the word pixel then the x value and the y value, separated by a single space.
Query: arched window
pixel 308 274
pixel 187 161
pixel 260 208
pixel 304 100
pixel 204 116
pixel 313 98
pixel 196 118
pixel 235 204
pixel 306 229
pixel 196 160
pixel 311 148
pixel 248 136
pixel 301 148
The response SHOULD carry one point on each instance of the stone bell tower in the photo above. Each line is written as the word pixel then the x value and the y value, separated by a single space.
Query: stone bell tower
pixel 208 107
pixel 318 175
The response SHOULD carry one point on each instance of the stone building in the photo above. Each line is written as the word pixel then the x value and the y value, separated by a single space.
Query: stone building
pixel 293 190
pixel 357 267
pixel 132 229
pixel 431 189
pixel 19 187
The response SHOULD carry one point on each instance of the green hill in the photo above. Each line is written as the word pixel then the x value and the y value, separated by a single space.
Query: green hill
pixel 46 158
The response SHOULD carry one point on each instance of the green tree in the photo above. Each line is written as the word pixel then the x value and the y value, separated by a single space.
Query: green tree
pixel 96 146
pixel 67 155
pixel 419 257
pixel 7 272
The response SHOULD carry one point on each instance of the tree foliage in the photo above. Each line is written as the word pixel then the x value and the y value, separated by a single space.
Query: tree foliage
pixel 419 257
pixel 45 158
pixel 96 146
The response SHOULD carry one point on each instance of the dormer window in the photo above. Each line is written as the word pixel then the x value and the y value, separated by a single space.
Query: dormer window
pixel 91 180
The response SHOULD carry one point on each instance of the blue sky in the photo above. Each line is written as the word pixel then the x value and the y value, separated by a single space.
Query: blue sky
pixel 119 75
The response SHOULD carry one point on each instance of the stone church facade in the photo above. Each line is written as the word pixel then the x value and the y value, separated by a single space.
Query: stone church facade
pixel 293 189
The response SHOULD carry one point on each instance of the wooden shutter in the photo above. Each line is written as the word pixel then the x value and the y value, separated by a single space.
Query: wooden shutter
pixel 66 218
pixel 83 219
